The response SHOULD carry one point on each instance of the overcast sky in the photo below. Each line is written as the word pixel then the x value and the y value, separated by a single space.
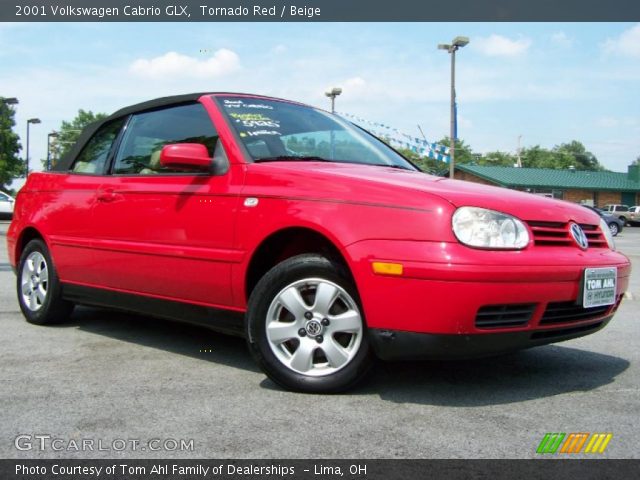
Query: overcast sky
pixel 549 82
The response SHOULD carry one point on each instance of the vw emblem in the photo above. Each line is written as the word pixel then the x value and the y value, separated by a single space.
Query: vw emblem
pixel 313 328
pixel 578 235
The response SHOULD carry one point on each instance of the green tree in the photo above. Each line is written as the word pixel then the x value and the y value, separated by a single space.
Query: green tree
pixel 576 153
pixel 424 163
pixel 565 155
pixel 69 132
pixel 11 166
pixel 539 157
pixel 498 159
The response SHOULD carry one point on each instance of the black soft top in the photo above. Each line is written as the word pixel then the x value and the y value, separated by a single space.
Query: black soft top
pixel 66 161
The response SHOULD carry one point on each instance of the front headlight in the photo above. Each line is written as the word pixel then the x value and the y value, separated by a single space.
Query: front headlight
pixel 479 227
pixel 607 234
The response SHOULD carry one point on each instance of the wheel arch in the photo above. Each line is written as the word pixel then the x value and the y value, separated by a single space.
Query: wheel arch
pixel 285 243
pixel 26 235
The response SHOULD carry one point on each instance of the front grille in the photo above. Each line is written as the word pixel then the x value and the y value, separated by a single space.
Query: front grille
pixel 567 312
pixel 595 236
pixel 557 234
pixel 504 316
pixel 551 234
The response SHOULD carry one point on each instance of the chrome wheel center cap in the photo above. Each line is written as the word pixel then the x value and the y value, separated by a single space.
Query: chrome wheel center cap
pixel 313 328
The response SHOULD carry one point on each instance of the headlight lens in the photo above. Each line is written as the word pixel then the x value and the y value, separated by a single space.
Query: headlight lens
pixel 479 227
pixel 607 234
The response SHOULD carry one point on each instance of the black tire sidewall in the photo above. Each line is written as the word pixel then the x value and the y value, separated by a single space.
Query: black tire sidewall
pixel 617 229
pixel 53 306
pixel 283 274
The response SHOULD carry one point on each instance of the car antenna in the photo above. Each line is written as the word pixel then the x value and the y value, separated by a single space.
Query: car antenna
pixel 422 133
pixel 435 172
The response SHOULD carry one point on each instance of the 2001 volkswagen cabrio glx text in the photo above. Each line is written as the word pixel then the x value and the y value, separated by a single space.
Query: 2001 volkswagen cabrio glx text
pixel 316 241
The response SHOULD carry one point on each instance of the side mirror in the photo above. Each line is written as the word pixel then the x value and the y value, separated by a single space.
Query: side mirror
pixel 185 156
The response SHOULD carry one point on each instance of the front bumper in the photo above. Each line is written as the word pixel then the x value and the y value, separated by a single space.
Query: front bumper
pixel 397 345
pixel 444 286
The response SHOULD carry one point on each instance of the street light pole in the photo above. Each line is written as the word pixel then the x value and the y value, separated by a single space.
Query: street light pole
pixel 452 123
pixel 53 134
pixel 29 122
pixel 456 44
pixel 332 94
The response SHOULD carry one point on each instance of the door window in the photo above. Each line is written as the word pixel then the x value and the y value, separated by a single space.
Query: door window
pixel 148 132
pixel 93 158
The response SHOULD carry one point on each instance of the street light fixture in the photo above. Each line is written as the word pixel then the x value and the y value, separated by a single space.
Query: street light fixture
pixel 9 101
pixel 29 122
pixel 332 94
pixel 51 135
pixel 456 44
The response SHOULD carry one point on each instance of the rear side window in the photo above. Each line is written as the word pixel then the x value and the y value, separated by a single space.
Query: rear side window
pixel 148 132
pixel 94 155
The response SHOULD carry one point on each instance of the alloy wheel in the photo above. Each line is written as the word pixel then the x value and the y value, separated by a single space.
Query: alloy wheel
pixel 34 281
pixel 314 327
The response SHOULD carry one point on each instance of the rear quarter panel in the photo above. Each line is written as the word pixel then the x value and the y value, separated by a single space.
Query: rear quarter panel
pixel 58 207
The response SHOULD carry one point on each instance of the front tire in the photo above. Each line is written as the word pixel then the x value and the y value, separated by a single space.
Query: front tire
pixel 38 287
pixel 613 227
pixel 305 326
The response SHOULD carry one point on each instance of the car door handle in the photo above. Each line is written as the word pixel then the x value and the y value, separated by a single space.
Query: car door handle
pixel 107 196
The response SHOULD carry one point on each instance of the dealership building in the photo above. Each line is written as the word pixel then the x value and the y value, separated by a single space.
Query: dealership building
pixel 580 186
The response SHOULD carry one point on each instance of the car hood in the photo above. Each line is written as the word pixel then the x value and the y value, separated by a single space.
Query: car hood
pixel 412 189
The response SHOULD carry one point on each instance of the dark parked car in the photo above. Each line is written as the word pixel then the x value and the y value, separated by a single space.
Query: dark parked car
pixel 614 223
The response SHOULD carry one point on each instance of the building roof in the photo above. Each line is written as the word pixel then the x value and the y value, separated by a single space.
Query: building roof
pixel 552 178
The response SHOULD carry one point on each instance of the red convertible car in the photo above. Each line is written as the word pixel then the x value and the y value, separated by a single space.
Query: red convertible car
pixel 319 243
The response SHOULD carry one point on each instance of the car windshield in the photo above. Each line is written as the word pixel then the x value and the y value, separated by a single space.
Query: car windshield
pixel 276 131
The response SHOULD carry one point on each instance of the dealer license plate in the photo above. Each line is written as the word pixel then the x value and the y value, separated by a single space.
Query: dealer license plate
pixel 599 287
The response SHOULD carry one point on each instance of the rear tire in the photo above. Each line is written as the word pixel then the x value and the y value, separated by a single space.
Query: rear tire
pixel 306 327
pixel 38 287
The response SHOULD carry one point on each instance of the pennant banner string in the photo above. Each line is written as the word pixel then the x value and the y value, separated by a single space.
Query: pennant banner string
pixel 397 138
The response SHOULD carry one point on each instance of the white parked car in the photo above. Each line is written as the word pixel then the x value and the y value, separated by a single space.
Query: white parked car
pixel 6 205
pixel 620 211
pixel 634 215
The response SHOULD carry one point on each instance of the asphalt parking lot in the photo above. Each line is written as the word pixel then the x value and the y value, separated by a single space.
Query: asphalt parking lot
pixel 108 376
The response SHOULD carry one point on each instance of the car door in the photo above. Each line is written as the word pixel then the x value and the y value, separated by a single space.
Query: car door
pixel 168 233
pixel 67 202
